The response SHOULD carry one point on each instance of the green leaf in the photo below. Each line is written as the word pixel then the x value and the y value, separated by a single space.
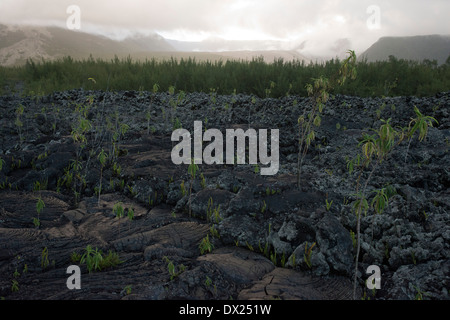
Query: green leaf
pixel 193 168
pixel 321 106
pixel 368 149
pixel 361 205
pixel 310 138
pixel 350 164
pixel 131 214
pixel 102 157
pixel 118 210
pixel 40 205
pixel 317 121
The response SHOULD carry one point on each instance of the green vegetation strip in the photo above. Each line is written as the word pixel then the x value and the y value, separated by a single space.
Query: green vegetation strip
pixel 395 77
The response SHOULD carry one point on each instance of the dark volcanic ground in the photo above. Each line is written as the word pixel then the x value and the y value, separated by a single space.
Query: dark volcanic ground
pixel 257 226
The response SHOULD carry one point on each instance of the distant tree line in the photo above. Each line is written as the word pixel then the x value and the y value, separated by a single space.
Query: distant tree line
pixel 395 77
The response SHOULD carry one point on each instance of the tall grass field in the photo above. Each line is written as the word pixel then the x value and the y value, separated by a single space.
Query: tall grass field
pixel 395 77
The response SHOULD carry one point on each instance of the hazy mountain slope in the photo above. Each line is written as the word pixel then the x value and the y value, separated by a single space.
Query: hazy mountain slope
pixel 82 43
pixel 17 44
pixel 418 48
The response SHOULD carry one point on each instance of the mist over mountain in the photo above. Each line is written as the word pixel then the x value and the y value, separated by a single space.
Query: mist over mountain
pixel 416 48
pixel 19 43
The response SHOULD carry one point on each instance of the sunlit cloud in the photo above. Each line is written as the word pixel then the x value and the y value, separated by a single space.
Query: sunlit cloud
pixel 339 19
pixel 316 24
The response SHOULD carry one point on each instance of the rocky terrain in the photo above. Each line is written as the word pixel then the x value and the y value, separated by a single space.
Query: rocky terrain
pixel 229 233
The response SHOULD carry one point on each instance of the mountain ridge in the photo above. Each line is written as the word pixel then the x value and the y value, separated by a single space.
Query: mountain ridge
pixel 20 43
pixel 417 48
pixel 17 44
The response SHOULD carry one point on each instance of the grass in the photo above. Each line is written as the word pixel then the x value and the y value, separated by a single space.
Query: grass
pixel 44 258
pixel 102 157
pixel 307 254
pixel 256 77
pixel 119 212
pixel 39 207
pixel 173 270
pixel 205 245
pixel 192 171
pixel 14 286
pixel 96 260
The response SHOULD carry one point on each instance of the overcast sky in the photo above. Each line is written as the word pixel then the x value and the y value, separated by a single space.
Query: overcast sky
pixel 321 23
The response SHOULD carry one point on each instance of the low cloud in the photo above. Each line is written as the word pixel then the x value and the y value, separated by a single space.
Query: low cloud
pixel 325 25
